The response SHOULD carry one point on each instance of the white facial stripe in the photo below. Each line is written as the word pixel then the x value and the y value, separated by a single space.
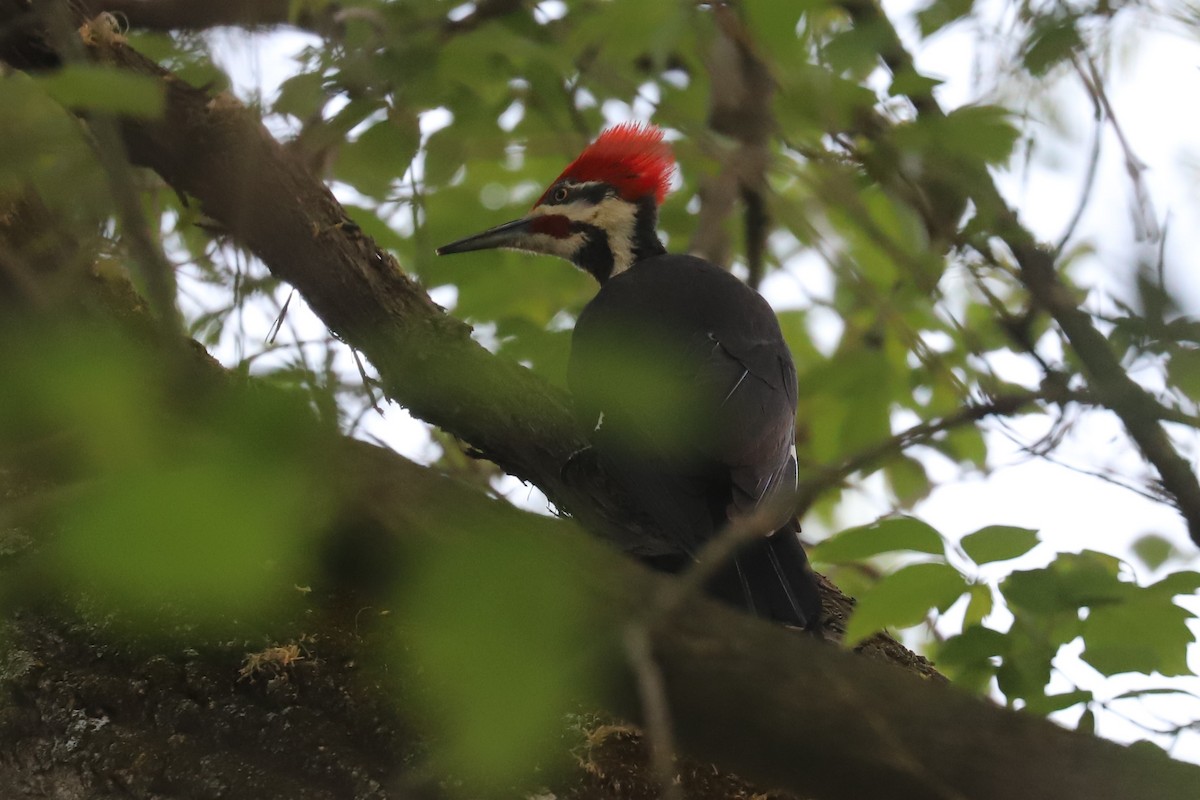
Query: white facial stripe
pixel 612 215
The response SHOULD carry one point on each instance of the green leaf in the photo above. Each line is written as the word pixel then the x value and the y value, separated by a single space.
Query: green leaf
pixel 98 88
pixel 208 514
pixel 904 598
pixel 967 135
pixel 445 155
pixel 374 161
pixel 968 658
pixel 941 13
pixel 301 95
pixel 975 644
pixel 909 83
pixel 984 132
pixel 1050 41
pixel 980 604
pixel 1183 369
pixel 43 145
pixel 1140 635
pixel 502 642
pixel 856 49
pixel 1071 582
pixel 1049 703
pixel 1154 550
pixel 998 543
pixel 909 480
pixel 889 535
pixel 1177 583
pixel 965 445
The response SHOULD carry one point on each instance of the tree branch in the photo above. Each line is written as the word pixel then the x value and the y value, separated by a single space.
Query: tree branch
pixel 182 15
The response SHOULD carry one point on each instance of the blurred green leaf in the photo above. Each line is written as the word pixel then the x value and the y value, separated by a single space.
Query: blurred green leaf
pixel 855 50
pixel 904 598
pixel 44 146
pixel 979 606
pixel 1033 642
pixel 968 657
pixel 909 480
pixel 504 642
pixel 1073 581
pixel 965 445
pixel 1142 634
pixel 208 512
pixel 941 13
pixel 998 543
pixel 1051 40
pixel 99 88
pixel 302 95
pixel 378 158
pixel 911 83
pixel 1154 550
pixel 1183 369
pixel 1177 583
pixel 1049 703
pixel 445 155
pixel 888 535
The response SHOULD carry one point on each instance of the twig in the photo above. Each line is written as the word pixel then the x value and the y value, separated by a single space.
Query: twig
pixel 1145 224
pixel 1088 182
pixel 366 381
pixel 277 325
pixel 1000 405
pixel 652 694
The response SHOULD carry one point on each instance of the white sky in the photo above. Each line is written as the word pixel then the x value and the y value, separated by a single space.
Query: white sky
pixel 1072 511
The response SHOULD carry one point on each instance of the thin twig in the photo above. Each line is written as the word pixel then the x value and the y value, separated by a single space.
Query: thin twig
pixel 1001 405
pixel 1085 195
pixel 652 694
pixel 1146 225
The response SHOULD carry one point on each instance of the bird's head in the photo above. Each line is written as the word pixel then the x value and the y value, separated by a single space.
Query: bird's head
pixel 600 213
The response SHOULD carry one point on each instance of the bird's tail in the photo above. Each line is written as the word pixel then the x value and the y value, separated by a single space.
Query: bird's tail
pixel 771 578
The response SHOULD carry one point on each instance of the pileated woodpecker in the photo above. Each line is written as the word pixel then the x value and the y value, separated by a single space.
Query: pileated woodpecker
pixel 679 373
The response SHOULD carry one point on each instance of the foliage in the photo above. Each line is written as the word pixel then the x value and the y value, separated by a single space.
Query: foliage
pixel 433 123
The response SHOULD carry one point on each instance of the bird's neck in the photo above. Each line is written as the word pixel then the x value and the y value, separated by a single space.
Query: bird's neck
pixel 614 249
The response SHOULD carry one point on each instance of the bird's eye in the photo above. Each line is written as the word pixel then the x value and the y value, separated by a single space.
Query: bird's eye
pixel 560 194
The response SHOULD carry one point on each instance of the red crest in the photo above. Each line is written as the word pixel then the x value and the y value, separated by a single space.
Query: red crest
pixel 631 156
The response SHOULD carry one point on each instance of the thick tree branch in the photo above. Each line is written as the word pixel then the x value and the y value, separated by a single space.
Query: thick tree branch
pixel 179 15
pixel 811 717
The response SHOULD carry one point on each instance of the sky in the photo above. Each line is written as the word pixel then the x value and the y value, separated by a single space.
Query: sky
pixel 1154 67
